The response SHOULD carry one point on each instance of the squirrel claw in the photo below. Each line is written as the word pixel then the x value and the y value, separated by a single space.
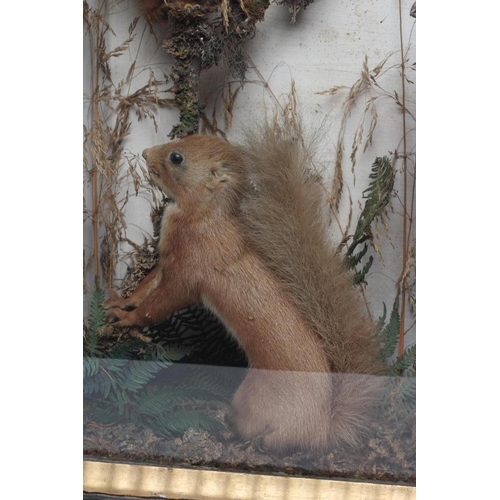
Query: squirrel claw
pixel 119 317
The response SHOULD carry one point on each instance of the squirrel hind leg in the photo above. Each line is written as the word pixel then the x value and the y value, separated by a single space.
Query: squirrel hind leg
pixel 290 411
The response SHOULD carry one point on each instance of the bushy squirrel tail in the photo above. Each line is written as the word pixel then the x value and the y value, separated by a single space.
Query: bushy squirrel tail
pixel 284 215
pixel 355 401
pixel 285 220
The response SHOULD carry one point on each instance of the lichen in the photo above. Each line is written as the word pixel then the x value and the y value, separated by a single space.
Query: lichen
pixel 200 40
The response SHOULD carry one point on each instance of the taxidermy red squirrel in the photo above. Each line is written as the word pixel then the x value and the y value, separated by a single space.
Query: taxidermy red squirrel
pixel 244 233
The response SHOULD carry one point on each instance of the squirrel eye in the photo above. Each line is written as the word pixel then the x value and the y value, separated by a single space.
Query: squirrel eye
pixel 176 158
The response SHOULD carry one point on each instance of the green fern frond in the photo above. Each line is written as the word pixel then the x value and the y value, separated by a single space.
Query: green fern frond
pixel 405 363
pixel 381 321
pixel 353 260
pixel 90 366
pixel 136 374
pixel 96 315
pixel 359 276
pixel 92 345
pixel 100 376
pixel 100 384
pixel 388 335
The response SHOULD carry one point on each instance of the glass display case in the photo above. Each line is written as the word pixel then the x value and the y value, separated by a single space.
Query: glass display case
pixel 274 355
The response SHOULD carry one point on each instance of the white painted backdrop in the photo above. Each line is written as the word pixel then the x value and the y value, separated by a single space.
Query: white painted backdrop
pixel 326 48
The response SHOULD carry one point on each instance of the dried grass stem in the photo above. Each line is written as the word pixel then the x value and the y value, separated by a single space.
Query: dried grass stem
pixel 405 191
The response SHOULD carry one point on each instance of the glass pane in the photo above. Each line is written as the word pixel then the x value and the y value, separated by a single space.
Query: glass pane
pixel 181 414
pixel 334 82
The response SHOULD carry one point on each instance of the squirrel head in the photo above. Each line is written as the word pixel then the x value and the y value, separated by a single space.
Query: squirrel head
pixel 197 172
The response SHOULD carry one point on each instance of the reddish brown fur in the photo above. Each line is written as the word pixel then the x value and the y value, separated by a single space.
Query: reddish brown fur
pixel 219 246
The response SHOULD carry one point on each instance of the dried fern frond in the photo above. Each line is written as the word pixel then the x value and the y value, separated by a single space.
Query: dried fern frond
pixel 378 196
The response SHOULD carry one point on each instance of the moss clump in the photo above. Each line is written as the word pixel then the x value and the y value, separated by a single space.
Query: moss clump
pixel 200 40
pixel 185 77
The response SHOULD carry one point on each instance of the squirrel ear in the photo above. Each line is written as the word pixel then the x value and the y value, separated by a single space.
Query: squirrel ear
pixel 217 179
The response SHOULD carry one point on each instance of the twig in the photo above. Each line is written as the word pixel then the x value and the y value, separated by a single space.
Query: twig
pixel 405 189
pixel 95 179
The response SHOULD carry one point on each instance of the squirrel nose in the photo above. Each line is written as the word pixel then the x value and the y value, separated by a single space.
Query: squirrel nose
pixel 145 154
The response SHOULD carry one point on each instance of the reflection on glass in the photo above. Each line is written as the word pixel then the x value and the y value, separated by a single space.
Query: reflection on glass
pixel 186 414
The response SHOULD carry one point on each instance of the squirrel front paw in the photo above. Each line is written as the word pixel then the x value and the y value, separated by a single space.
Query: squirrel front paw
pixel 120 317
pixel 117 302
